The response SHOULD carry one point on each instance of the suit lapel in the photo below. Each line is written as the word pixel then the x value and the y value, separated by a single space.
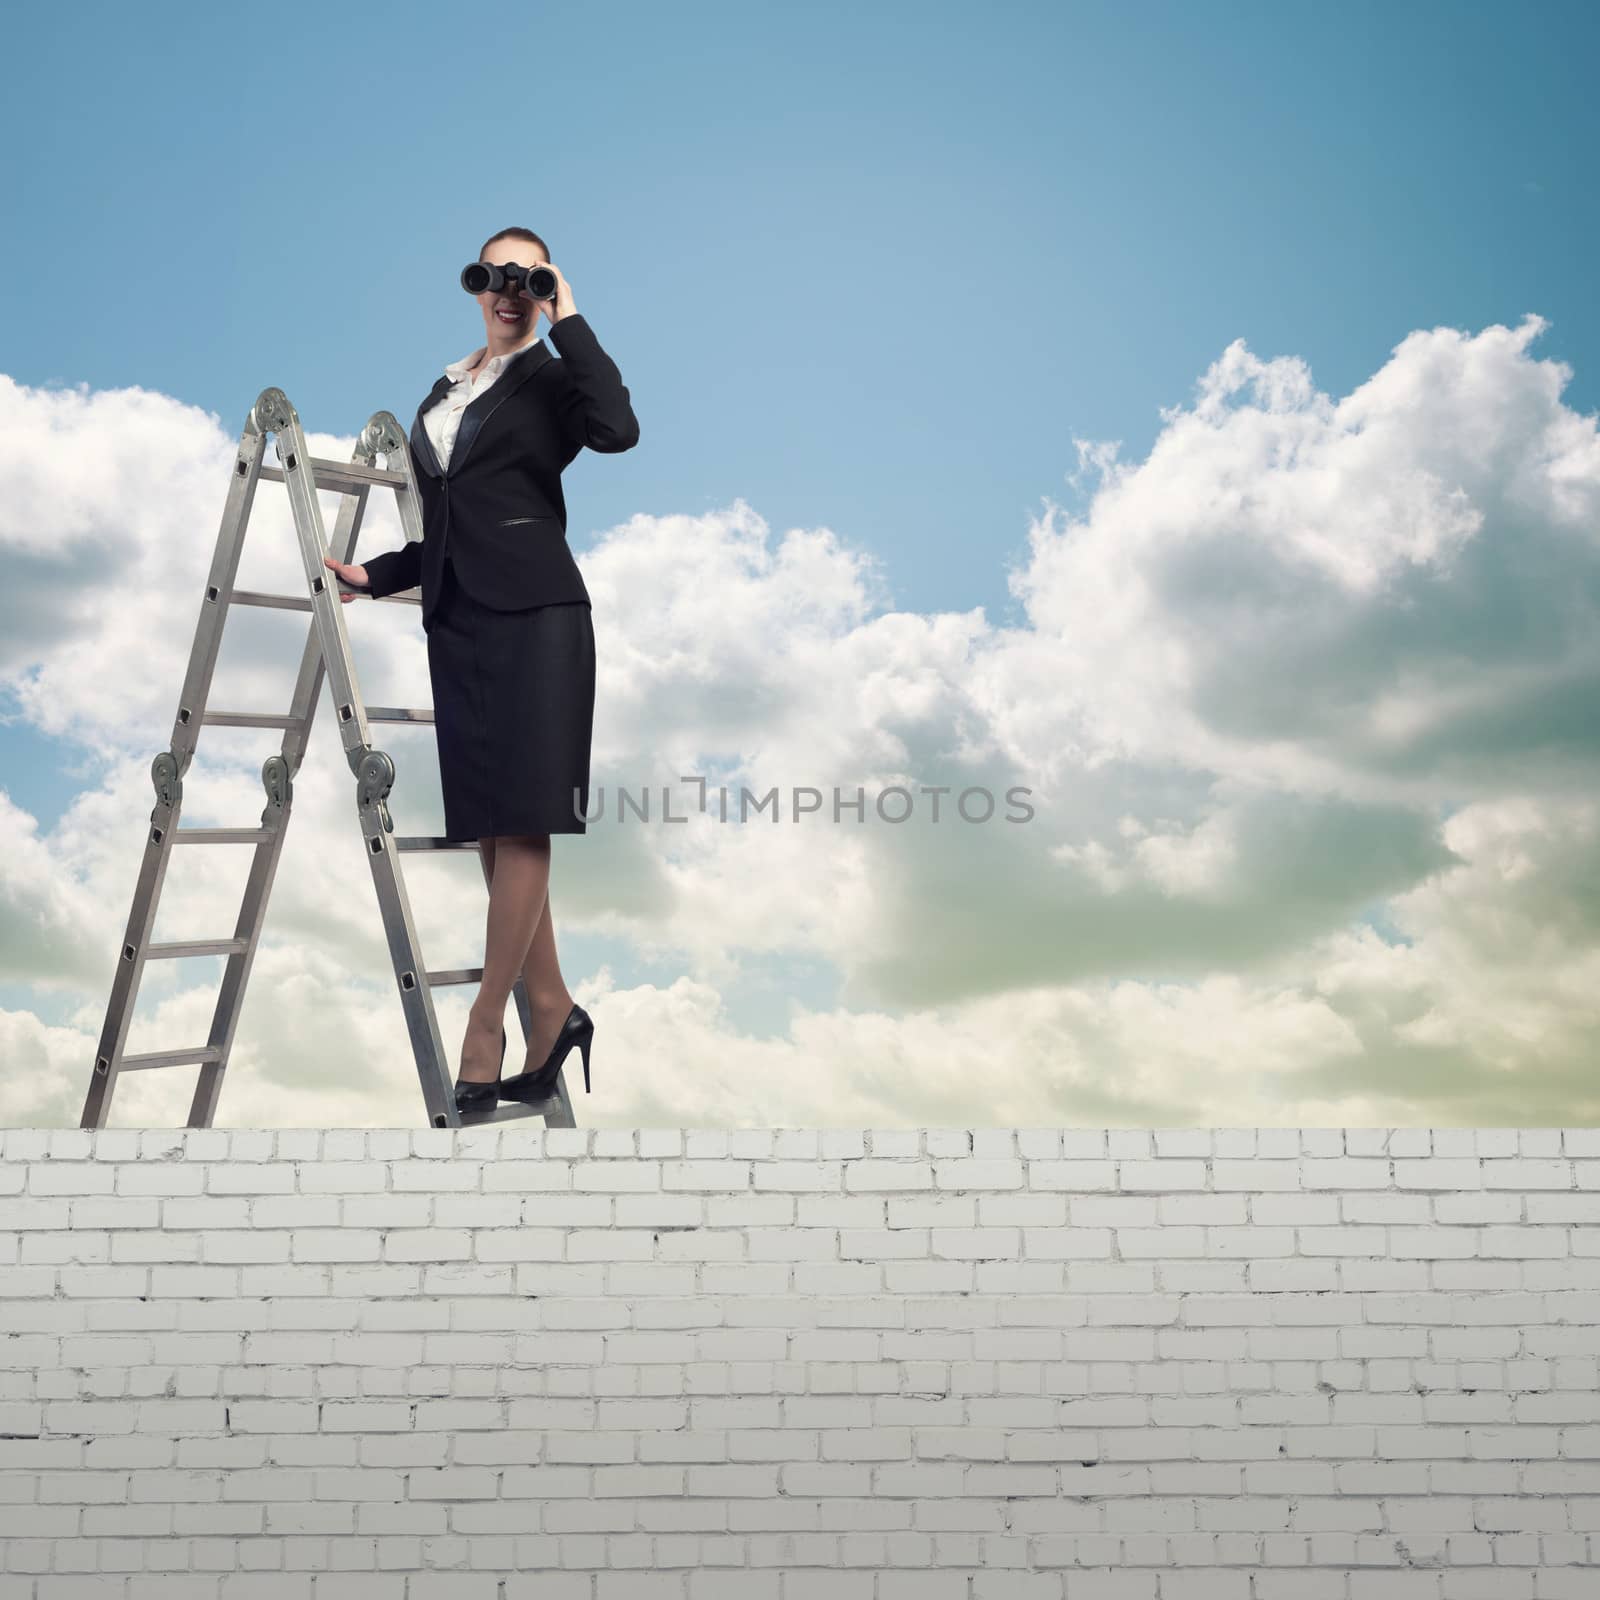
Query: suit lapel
pixel 521 367
pixel 422 451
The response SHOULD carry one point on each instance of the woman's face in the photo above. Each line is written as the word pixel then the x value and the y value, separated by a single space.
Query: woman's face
pixel 503 332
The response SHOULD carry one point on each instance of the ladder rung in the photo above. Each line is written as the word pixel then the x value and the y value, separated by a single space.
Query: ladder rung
pixel 422 841
pixel 505 1111
pixel 399 713
pixel 454 975
pixel 170 1058
pixel 300 602
pixel 221 835
pixel 198 947
pixel 249 719
pixel 260 597
pixel 347 477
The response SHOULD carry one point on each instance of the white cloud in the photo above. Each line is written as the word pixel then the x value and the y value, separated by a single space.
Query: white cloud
pixel 1311 670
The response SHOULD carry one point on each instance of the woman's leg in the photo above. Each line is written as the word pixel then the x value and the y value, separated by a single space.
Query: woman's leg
pixel 549 999
pixel 517 894
pixel 519 881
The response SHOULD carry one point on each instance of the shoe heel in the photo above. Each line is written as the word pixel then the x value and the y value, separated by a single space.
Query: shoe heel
pixel 583 1045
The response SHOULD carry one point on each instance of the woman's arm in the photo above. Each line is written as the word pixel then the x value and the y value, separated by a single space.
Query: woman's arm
pixel 394 570
pixel 596 409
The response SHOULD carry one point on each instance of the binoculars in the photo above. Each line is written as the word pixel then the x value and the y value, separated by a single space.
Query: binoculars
pixel 539 281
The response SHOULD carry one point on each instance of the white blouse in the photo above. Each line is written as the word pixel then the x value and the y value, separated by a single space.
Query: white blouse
pixel 443 419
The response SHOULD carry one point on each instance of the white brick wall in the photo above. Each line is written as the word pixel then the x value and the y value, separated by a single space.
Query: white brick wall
pixel 1001 1364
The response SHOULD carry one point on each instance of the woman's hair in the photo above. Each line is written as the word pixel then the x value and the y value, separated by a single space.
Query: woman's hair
pixel 516 233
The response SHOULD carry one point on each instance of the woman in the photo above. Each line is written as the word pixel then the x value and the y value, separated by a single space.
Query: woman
pixel 510 637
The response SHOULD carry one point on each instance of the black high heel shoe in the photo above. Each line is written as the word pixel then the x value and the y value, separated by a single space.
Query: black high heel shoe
pixel 474 1096
pixel 539 1084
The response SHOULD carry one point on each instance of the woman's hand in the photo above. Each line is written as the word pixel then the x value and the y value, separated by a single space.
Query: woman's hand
pixel 561 306
pixel 350 573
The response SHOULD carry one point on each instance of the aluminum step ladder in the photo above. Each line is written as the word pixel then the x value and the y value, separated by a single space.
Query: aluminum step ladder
pixel 327 649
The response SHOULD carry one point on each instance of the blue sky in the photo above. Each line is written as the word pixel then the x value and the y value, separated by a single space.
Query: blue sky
pixel 889 271
pixel 867 267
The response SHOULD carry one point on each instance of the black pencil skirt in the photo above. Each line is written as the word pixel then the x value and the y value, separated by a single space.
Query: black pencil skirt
pixel 513 709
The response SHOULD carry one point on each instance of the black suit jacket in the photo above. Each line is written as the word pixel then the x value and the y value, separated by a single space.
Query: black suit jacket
pixel 498 506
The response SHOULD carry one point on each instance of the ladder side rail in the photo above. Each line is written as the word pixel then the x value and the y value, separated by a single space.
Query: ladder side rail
pixel 277 776
pixel 375 774
pixel 167 772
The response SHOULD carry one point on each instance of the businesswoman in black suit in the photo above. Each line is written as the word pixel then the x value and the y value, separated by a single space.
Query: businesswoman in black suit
pixel 511 650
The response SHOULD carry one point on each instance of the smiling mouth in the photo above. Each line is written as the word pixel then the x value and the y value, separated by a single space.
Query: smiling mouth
pixel 508 315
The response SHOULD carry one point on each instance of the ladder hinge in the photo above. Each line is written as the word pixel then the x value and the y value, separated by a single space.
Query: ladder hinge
pixel 374 780
pixel 278 781
pixel 166 775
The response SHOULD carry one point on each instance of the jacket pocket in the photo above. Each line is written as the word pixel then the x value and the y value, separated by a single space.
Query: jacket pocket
pixel 506 522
